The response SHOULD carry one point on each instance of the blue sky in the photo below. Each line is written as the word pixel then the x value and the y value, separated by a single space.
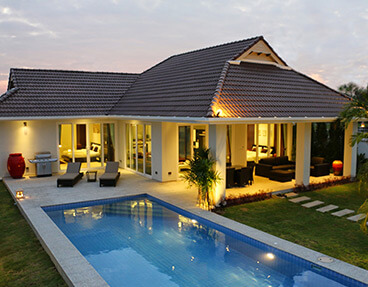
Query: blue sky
pixel 325 39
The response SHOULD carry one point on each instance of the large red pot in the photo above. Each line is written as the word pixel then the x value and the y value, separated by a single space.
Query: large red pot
pixel 337 167
pixel 16 165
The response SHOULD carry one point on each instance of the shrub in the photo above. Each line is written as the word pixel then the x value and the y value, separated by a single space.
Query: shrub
pixel 320 185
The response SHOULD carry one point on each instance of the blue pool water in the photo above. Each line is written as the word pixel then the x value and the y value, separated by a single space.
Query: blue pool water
pixel 142 241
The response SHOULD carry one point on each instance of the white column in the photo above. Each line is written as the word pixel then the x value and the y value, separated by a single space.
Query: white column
pixel 217 144
pixel 256 127
pixel 278 139
pixel 350 153
pixel 239 152
pixel 303 153
pixel 165 151
pixel 268 139
pixel 289 144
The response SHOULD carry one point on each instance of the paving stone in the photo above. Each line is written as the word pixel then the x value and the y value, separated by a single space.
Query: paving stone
pixel 342 212
pixel 299 199
pixel 357 217
pixel 291 194
pixel 312 204
pixel 327 208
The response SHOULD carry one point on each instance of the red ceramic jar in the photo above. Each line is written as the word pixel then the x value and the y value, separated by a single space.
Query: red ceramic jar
pixel 337 167
pixel 16 165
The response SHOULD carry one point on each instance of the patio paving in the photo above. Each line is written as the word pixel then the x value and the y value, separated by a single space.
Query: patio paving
pixel 76 270
pixel 343 212
pixel 312 204
pixel 327 208
pixel 299 199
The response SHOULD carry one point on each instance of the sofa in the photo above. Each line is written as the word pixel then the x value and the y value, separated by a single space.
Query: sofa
pixel 319 167
pixel 269 164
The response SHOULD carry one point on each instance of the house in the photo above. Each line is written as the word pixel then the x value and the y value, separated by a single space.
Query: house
pixel 240 99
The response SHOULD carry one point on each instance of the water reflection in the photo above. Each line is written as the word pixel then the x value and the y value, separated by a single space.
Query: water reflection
pixel 174 248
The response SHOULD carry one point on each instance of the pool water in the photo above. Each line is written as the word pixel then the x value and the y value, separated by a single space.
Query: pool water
pixel 142 241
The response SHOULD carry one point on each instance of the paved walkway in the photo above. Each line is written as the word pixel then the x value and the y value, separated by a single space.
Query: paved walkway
pixel 76 270
pixel 295 198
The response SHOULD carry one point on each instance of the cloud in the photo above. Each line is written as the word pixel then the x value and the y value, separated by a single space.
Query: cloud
pixel 9 18
pixel 317 38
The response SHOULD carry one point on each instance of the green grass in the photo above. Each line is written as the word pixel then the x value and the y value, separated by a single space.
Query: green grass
pixel 336 237
pixel 23 262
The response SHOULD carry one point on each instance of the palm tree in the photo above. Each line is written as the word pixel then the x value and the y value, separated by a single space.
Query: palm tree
pixel 357 109
pixel 203 175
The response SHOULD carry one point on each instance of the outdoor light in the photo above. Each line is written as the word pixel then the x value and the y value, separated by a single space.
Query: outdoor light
pixel 25 128
pixel 19 194
pixel 270 256
pixel 218 113
pixel 362 125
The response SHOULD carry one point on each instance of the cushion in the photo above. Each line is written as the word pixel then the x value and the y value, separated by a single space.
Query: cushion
pixel 284 166
pixel 280 160
pixel 268 160
pixel 317 160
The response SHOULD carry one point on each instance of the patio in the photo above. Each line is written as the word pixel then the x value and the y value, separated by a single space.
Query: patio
pixel 75 269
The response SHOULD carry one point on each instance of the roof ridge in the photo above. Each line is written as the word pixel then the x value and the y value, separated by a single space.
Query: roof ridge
pixel 72 71
pixel 219 45
pixel 8 93
pixel 322 84
pixel 108 112
pixel 216 96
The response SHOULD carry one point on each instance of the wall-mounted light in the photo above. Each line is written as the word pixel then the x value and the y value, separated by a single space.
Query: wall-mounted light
pixel 362 125
pixel 219 113
pixel 25 129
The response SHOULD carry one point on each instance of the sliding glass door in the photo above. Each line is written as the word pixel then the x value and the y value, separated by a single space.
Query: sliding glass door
pixel 91 144
pixel 138 148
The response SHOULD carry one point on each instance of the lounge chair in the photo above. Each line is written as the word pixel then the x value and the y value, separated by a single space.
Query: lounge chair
pixel 111 175
pixel 71 176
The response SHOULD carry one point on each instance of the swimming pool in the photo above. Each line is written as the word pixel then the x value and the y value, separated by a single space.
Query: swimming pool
pixel 143 241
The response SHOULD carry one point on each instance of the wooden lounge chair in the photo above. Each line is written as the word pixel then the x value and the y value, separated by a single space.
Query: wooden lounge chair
pixel 111 175
pixel 71 176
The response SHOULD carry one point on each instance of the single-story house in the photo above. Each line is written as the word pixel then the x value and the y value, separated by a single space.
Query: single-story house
pixel 240 99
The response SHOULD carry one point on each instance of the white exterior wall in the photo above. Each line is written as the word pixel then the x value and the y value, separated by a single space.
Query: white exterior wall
pixel 121 142
pixel 165 156
pixel 303 153
pixel 350 153
pixel 239 145
pixel 217 144
pixel 38 136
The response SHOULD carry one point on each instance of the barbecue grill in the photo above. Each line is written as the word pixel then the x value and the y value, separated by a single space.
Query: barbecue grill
pixel 43 162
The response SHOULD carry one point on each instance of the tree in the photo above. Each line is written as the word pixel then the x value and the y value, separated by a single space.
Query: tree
pixel 357 109
pixel 203 175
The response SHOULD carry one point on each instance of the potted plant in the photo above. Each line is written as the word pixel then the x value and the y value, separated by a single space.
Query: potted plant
pixel 203 175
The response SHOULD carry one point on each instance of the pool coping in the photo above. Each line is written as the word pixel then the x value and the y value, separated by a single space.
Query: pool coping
pixel 77 271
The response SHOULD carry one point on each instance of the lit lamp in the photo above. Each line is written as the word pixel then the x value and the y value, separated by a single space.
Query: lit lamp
pixel 362 125
pixel 19 194
pixel 337 167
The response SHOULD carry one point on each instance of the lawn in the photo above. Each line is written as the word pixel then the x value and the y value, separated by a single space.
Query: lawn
pixel 336 237
pixel 23 262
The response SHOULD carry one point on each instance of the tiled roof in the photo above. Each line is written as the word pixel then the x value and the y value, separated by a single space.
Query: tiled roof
pixel 183 85
pixel 261 90
pixel 193 84
pixel 62 93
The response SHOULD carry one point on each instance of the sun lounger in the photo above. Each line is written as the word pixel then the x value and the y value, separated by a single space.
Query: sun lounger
pixel 111 175
pixel 71 176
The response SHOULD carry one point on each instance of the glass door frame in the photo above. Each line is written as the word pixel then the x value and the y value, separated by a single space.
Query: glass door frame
pixel 130 142
pixel 73 136
pixel 192 127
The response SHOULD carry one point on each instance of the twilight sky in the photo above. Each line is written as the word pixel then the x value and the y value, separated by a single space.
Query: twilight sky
pixel 325 39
